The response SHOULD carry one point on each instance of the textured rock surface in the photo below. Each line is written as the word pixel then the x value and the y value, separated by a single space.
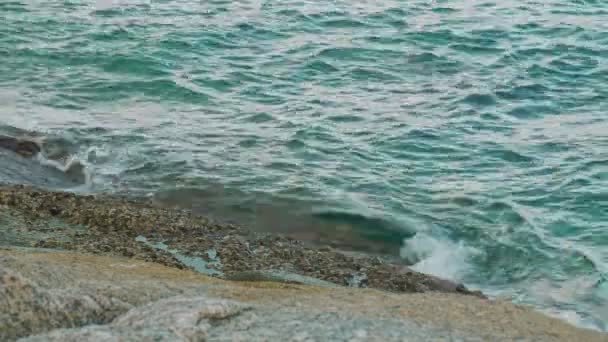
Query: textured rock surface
pixel 114 226
pixel 62 296
pixel 172 319
pixel 22 147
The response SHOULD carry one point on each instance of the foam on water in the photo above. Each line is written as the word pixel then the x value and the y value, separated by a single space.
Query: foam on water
pixel 74 166
pixel 569 300
pixel 440 257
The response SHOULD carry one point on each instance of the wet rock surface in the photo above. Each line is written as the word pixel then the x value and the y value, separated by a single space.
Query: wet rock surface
pixel 22 147
pixel 113 226
pixel 66 296
pixel 20 159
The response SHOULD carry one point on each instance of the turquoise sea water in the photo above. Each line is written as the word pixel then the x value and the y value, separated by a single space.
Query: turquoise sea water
pixel 468 136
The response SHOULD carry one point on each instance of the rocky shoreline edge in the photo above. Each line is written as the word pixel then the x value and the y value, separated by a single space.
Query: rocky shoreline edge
pixel 97 267
pixel 111 226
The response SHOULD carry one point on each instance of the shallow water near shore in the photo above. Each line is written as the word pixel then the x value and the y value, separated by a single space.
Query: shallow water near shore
pixel 467 136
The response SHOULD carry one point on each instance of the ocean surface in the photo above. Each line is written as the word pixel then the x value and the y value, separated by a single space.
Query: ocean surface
pixel 468 137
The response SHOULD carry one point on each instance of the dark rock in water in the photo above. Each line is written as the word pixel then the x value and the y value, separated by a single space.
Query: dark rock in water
pixel 25 148
pixel 16 169
pixel 19 166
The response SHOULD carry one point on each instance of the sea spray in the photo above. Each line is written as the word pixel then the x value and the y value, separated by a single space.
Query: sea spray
pixel 437 256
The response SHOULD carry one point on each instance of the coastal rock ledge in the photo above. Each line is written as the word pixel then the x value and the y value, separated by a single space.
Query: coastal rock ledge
pixel 66 296
pixel 76 268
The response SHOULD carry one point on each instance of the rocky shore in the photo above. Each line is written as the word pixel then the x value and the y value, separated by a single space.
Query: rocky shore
pixel 178 238
pixel 76 268
pixel 65 296
pixel 99 268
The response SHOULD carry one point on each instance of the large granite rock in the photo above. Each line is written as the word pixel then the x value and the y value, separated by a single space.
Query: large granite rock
pixel 171 319
pixel 63 296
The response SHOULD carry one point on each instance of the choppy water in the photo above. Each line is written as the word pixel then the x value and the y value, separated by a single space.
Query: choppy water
pixel 472 134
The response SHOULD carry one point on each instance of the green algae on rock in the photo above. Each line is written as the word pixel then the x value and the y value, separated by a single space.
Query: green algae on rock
pixel 196 263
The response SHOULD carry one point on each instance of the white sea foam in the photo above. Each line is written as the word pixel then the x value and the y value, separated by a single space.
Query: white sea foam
pixel 109 4
pixel 67 164
pixel 436 256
